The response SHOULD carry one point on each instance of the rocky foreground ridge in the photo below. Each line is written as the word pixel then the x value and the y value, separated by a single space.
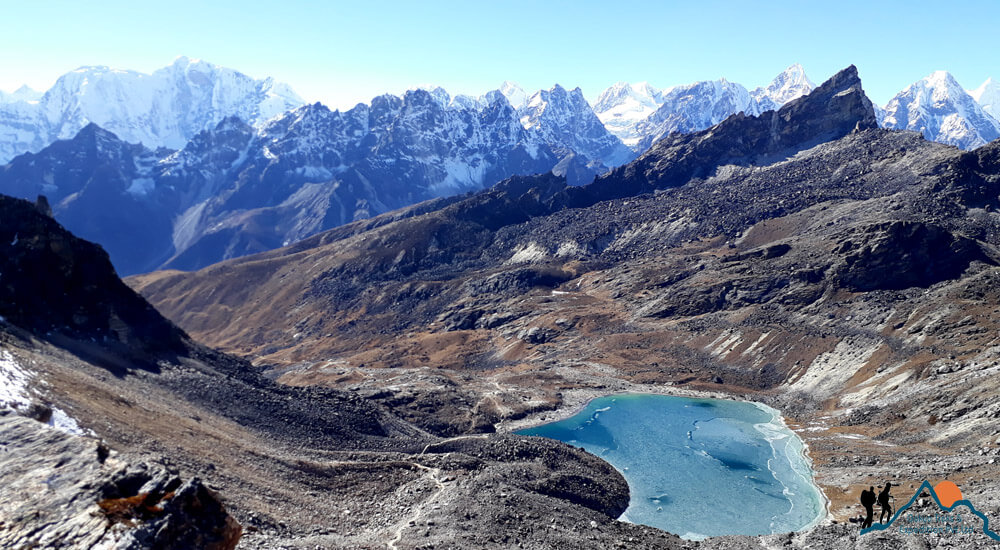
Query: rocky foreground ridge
pixel 65 491
pixel 805 258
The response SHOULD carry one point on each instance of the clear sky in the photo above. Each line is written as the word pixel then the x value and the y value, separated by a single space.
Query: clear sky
pixel 341 53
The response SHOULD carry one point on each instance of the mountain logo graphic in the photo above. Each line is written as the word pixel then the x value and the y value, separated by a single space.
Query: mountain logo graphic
pixel 948 497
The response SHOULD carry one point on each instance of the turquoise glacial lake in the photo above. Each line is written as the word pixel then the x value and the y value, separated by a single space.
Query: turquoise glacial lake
pixel 699 467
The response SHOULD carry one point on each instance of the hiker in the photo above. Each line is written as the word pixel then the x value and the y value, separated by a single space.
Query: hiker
pixel 868 501
pixel 883 501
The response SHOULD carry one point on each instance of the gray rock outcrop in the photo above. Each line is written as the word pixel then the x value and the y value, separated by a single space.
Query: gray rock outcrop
pixel 63 491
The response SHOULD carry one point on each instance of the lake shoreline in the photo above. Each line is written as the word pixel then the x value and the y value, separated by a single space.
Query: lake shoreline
pixel 576 401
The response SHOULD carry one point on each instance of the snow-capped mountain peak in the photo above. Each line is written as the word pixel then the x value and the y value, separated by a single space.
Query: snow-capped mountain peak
pixel 625 94
pixel 791 84
pixel 24 93
pixel 985 87
pixel 565 119
pixel 693 107
pixel 939 108
pixel 514 94
pixel 622 106
pixel 162 109
pixel 988 97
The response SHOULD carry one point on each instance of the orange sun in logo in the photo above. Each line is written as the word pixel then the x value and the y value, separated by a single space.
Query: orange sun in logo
pixel 948 493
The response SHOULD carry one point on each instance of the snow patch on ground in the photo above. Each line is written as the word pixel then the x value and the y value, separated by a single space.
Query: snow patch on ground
pixel 830 371
pixel 13 382
pixel 733 340
pixel 141 187
pixel 531 253
pixel 15 393
pixel 64 422
pixel 756 343
pixel 668 228
pixel 571 249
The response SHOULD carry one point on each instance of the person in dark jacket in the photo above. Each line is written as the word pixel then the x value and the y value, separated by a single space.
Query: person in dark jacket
pixel 868 501
pixel 883 501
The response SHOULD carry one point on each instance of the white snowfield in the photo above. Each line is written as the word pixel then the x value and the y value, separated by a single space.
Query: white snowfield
pixel 13 383
pixel 622 106
pixel 163 109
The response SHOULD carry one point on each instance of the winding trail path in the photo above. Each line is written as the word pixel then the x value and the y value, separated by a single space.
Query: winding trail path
pixel 456 438
pixel 435 475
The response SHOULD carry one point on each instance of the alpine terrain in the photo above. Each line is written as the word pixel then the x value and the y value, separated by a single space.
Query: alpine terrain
pixel 197 163
pixel 162 109
pixel 335 320
pixel 234 189
pixel 842 273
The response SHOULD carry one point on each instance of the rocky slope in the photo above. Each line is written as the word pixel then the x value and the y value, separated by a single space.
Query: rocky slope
pixel 63 289
pixel 152 413
pixel 804 258
pixel 92 499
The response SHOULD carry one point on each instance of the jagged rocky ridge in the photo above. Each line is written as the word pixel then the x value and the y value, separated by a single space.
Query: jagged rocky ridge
pixel 805 258
pixel 234 190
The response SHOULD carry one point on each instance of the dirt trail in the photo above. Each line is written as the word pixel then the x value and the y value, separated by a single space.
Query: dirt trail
pixel 435 475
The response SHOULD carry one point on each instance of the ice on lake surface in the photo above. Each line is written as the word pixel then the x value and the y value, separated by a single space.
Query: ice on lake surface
pixel 699 467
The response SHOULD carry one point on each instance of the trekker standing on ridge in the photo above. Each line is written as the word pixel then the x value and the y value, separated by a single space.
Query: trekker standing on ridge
pixel 883 501
pixel 868 501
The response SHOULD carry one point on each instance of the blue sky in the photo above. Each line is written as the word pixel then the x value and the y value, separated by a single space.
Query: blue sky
pixel 345 52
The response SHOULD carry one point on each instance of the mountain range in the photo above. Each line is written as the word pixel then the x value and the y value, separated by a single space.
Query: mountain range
pixel 804 258
pixel 936 106
pixel 163 109
pixel 200 163
pixel 641 115
pixel 842 273
pixel 234 189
